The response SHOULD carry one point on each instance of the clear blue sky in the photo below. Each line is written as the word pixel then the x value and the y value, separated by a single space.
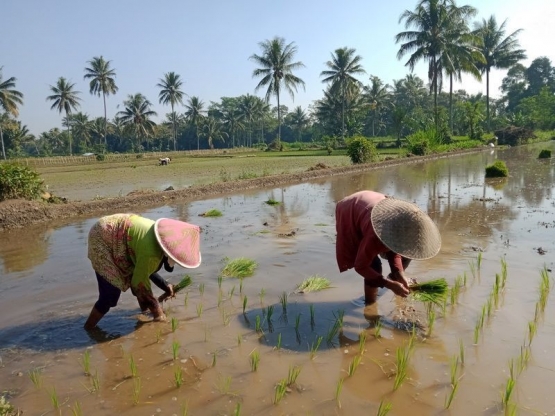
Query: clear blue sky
pixel 209 42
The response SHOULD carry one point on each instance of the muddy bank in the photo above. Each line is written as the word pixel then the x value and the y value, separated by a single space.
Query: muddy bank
pixel 19 213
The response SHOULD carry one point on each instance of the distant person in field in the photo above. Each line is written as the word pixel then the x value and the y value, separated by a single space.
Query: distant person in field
pixel 369 225
pixel 164 161
pixel 127 250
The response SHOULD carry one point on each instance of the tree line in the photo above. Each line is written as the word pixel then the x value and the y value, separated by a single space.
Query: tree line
pixel 438 32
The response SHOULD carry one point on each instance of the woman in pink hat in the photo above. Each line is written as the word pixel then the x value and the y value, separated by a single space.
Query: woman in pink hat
pixel 127 251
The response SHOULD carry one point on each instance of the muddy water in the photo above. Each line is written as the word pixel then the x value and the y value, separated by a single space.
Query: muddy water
pixel 48 288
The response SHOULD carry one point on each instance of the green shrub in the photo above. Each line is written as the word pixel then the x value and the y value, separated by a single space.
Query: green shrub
pixel 18 181
pixel 101 157
pixel 423 142
pixel 497 170
pixel 545 154
pixel 361 150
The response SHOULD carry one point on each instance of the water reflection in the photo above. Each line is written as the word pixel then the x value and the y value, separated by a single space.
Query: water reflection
pixel 23 250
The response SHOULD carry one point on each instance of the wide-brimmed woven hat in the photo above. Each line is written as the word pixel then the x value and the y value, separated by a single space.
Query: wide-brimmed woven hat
pixel 180 241
pixel 405 229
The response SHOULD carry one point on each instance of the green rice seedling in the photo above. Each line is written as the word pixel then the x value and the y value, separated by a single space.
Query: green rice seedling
pixel 199 310
pixel 220 280
pixel 453 295
pixel 353 365
pixel 532 329
pixel 174 323
pixel 378 328
pixel 257 324
pixel 297 322
pixel 185 409
pixel 212 213
pixel 237 411
pixel 240 267
pixel 489 306
pixel 477 329
pixel 312 320
pixel 231 292
pixel 332 332
pixel 239 339
pixel 86 362
pixel 338 389
pixel 36 377
pixel 175 350
pixel 433 291
pixel 454 369
pixel 293 374
pixel 245 301
pixel 545 281
pixel 241 286
pixel 254 359
pixel 278 344
pixel 503 272
pixel 186 299
pixel 483 315
pixel 206 332
pixel 158 335
pixel 313 283
pixel 220 298
pixel 472 266
pixel 54 399
pixel 95 381
pixel 201 289
pixel 281 389
pixel 262 294
pixel 183 283
pixel 431 320
pixel 224 385
pixel 76 409
pixel 136 390
pixel 132 366
pixel 283 301
pixel 272 201
pixel 314 347
pixel 178 376
pixel 362 342
pixel 508 392
pixel 401 366
pixel 464 279
pixel 451 396
pixel 269 313
pixel 226 317
pixel 479 260
pixel 384 408
pixel 524 357
pixel 461 351
pixel 214 358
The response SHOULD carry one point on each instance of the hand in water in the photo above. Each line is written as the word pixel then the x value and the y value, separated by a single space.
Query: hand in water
pixel 398 288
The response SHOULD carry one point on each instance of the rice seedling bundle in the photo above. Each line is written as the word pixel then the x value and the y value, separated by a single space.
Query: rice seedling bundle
pixel 313 284
pixel 434 291
pixel 240 267
pixel 186 281
pixel 212 213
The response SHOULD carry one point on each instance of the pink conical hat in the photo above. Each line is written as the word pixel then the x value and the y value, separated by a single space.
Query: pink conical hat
pixel 180 241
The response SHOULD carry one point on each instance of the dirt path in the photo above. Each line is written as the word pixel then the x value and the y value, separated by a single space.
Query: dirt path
pixel 19 213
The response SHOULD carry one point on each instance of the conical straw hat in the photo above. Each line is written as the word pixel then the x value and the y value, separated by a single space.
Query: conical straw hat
pixel 180 241
pixel 405 229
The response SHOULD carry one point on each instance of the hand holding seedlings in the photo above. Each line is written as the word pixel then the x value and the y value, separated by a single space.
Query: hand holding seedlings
pixel 369 225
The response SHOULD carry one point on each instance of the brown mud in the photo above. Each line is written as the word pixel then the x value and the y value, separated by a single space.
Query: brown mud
pixel 20 213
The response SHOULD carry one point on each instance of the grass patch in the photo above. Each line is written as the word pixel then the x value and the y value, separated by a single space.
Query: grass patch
pixel 212 213
pixel 240 267
pixel 272 201
pixel 497 170
pixel 434 291
pixel 313 284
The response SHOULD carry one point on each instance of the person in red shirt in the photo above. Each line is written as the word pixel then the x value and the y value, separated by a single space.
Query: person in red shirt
pixel 370 224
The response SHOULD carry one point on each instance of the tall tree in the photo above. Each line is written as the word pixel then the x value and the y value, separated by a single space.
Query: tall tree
pixel 194 112
pixel 379 98
pixel 499 51
pixel 276 69
pixel 10 99
pixel 298 120
pixel 64 98
pixel 212 130
pixel 136 115
pixel 342 68
pixel 172 94
pixel 248 108
pixel 101 82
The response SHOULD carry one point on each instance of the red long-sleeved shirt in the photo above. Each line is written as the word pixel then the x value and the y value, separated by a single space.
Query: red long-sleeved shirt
pixel 357 244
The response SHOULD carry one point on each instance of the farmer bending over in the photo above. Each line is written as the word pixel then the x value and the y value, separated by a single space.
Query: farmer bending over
pixel 370 224
pixel 126 251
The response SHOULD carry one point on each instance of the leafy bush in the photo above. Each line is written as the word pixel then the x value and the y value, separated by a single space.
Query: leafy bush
pixel 545 154
pixel 423 142
pixel 18 181
pixel 497 170
pixel 361 150
pixel 100 157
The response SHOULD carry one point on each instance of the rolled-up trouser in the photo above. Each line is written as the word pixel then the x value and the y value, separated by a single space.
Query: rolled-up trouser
pixel 108 295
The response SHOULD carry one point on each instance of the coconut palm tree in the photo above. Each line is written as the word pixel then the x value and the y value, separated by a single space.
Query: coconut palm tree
pixel 378 96
pixel 342 68
pixel 194 112
pixel 276 69
pixel 233 120
pixel 136 115
pixel 10 99
pixel 81 126
pixel 298 120
pixel 212 130
pixel 64 98
pixel 499 51
pixel 101 82
pixel 248 108
pixel 171 93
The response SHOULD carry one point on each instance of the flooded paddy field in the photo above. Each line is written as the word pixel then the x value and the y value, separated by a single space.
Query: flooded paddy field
pixel 229 346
